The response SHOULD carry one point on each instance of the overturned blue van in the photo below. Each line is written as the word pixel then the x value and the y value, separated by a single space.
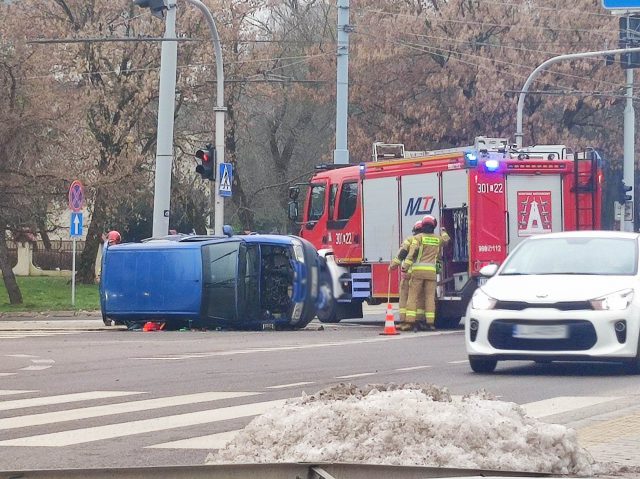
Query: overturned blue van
pixel 236 282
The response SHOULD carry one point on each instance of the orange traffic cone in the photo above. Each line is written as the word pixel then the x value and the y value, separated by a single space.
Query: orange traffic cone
pixel 389 324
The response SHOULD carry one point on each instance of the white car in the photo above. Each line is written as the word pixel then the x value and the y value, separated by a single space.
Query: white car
pixel 572 296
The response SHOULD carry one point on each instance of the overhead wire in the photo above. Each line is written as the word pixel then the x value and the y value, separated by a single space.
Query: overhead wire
pixel 429 48
pixel 487 24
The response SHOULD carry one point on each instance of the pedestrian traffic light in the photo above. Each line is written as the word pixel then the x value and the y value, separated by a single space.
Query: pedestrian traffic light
pixel 206 168
pixel 622 193
pixel 157 7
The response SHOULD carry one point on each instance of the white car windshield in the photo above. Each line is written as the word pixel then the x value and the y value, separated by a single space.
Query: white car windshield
pixel 574 255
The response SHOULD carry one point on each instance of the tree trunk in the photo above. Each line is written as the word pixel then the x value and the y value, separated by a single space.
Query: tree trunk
pixel 44 234
pixel 10 283
pixel 87 264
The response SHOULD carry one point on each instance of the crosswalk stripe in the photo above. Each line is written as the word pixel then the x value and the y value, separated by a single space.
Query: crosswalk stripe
pixel 11 392
pixel 118 408
pixel 97 433
pixel 61 399
pixel 27 334
pixel 211 441
pixel 7 374
pixel 562 404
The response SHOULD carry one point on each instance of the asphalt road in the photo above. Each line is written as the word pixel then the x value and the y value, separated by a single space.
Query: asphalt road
pixel 59 389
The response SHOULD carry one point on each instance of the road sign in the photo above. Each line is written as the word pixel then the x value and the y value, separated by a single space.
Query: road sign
pixel 75 227
pixel 621 4
pixel 76 196
pixel 226 179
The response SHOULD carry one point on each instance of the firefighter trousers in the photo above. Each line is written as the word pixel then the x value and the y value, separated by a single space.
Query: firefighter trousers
pixel 405 280
pixel 422 297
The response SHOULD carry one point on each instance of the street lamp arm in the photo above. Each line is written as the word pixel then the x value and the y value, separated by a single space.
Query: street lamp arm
pixel 217 49
pixel 543 66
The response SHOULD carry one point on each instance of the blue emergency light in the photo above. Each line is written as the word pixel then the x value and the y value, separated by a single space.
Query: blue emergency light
pixel 492 165
pixel 471 159
pixel 363 169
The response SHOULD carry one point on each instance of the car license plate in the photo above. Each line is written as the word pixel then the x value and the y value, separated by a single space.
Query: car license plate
pixel 542 331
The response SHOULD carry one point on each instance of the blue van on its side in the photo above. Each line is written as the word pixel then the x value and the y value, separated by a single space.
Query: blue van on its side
pixel 239 282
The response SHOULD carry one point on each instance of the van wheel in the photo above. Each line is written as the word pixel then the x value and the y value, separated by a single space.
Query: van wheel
pixel 482 365
pixel 328 313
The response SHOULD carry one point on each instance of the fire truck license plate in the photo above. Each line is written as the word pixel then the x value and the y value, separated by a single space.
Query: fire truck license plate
pixel 543 331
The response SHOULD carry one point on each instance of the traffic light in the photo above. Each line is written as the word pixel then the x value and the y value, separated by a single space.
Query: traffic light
pixel 157 7
pixel 622 195
pixel 207 166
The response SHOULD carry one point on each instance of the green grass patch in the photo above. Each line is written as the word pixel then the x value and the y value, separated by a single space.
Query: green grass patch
pixel 41 293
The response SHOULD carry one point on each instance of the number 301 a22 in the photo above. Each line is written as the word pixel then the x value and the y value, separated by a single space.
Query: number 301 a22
pixel 490 188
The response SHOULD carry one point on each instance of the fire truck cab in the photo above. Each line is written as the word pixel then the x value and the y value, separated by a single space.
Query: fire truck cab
pixel 488 196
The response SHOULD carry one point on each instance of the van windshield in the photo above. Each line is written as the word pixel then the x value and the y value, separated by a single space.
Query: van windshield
pixel 220 269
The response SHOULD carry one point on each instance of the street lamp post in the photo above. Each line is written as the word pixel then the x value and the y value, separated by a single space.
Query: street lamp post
pixel 629 117
pixel 219 110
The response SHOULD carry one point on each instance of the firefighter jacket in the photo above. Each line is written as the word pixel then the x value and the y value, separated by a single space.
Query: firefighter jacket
pixel 402 253
pixel 424 253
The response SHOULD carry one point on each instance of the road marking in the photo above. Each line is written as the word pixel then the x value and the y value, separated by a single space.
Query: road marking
pixel 413 368
pixel 20 356
pixel 561 404
pixel 43 361
pixel 7 374
pixel 211 441
pixel 37 367
pixel 119 408
pixel 33 334
pixel 181 357
pixel 11 392
pixel 91 434
pixel 458 362
pixel 61 399
pixel 282 386
pixel 349 376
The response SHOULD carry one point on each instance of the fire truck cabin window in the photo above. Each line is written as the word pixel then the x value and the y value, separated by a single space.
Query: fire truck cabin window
pixel 316 206
pixel 333 192
pixel 348 200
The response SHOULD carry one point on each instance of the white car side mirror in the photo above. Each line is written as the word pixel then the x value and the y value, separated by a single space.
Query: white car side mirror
pixel 488 270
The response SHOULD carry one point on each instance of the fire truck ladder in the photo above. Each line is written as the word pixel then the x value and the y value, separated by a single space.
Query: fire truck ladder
pixel 585 189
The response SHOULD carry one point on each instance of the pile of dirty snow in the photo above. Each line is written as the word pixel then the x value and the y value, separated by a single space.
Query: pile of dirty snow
pixel 413 424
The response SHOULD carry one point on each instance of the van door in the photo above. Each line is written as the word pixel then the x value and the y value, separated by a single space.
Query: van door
pixel 534 204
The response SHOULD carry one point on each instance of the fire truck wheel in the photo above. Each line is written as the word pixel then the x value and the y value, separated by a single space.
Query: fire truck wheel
pixel 482 365
pixel 447 323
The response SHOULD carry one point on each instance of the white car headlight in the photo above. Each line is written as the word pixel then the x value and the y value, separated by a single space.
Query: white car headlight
pixel 481 300
pixel 613 302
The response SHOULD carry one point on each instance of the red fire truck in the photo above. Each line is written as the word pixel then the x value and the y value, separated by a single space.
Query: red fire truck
pixel 488 196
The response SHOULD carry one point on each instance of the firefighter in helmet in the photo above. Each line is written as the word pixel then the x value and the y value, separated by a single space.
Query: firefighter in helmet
pixel 405 276
pixel 424 254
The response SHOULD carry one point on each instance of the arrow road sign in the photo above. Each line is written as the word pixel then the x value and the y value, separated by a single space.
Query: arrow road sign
pixel 76 224
pixel 621 4
pixel 226 178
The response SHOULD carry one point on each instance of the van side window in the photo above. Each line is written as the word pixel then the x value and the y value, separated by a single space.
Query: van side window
pixel 348 200
pixel 316 205
pixel 333 192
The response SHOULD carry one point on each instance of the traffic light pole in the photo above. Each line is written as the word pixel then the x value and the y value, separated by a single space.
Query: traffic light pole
pixel 164 141
pixel 341 153
pixel 219 110
pixel 629 155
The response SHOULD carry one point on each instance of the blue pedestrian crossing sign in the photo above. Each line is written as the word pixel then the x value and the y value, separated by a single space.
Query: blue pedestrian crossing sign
pixel 621 4
pixel 226 179
pixel 76 223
